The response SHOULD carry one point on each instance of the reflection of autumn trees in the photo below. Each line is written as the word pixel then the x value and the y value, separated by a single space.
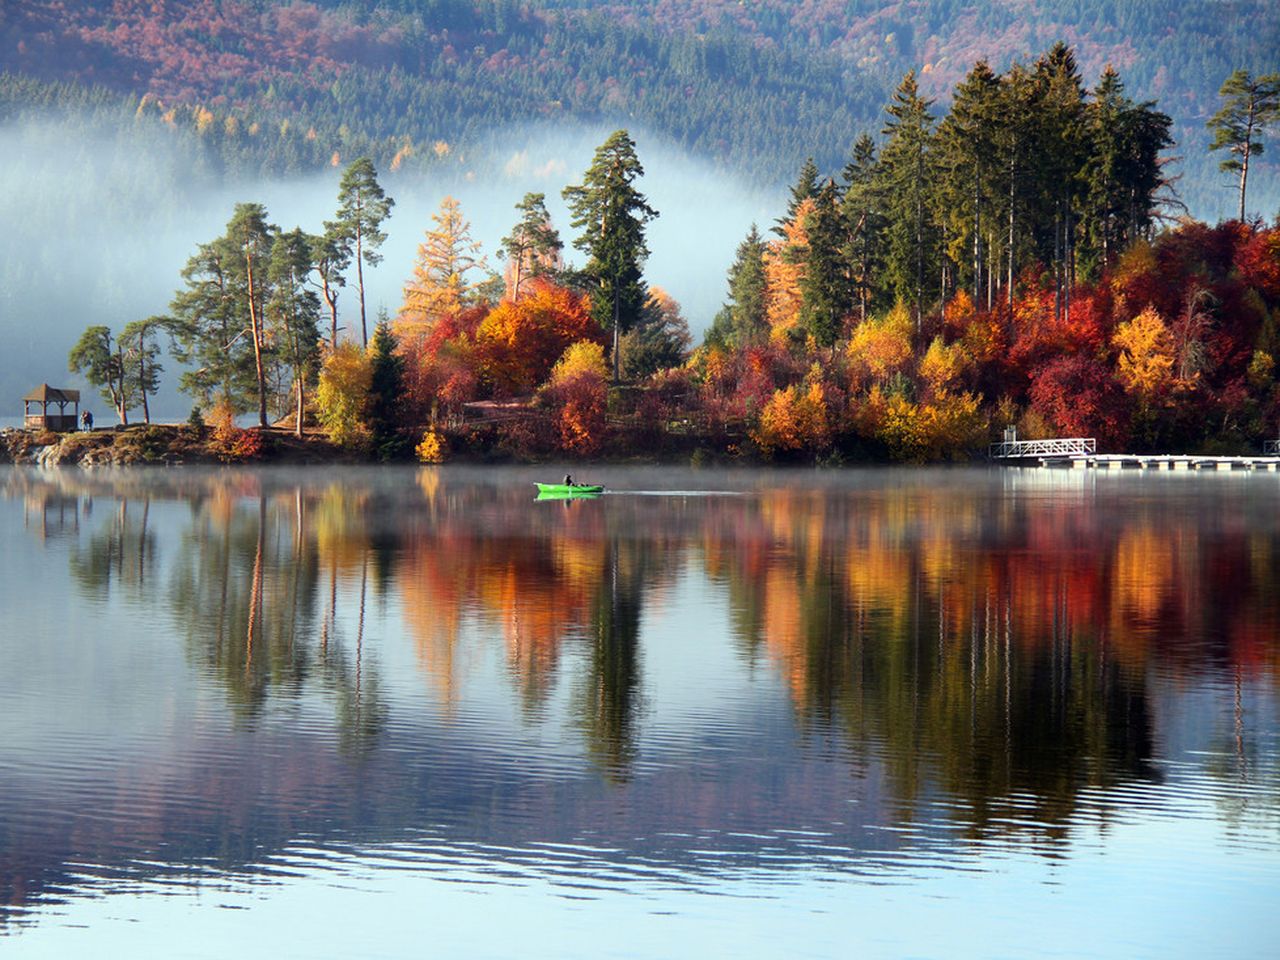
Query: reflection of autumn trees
pixel 997 652
pixel 994 645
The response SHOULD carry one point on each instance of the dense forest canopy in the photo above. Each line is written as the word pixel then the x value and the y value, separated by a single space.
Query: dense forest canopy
pixel 283 87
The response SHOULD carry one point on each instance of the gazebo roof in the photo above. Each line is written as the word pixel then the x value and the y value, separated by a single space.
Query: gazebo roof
pixel 47 394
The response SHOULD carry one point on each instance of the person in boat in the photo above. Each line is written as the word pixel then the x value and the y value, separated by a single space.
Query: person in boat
pixel 568 480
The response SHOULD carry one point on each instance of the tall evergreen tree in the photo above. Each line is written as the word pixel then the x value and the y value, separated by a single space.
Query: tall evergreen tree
pixel 966 164
pixel 100 360
pixel 905 175
pixel 1249 107
pixel 218 328
pixel 825 286
pixel 140 361
pixel 293 315
pixel 742 320
pixel 330 258
pixel 532 249
pixel 611 213
pixel 862 207
pixel 1061 152
pixel 386 384
pixel 1122 173
pixel 251 237
pixel 806 186
pixel 363 206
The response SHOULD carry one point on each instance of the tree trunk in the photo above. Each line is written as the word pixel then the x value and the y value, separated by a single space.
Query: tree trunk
pixel 364 326
pixel 977 243
pixel 331 298
pixel 300 379
pixel 255 323
pixel 142 377
pixel 1013 179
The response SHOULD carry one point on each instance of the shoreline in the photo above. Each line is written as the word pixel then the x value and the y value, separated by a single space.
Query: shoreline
pixel 180 444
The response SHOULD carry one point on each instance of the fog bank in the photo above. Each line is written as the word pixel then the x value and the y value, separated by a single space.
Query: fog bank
pixel 98 225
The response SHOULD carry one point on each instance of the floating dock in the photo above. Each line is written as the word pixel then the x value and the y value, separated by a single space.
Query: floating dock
pixel 1161 461
pixel 1081 453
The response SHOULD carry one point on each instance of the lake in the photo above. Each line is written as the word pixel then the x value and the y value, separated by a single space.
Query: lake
pixel 396 712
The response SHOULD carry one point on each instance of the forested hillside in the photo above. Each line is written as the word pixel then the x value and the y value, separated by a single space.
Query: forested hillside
pixel 283 87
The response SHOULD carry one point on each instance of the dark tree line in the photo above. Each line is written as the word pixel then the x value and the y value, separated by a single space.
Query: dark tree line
pixel 1027 169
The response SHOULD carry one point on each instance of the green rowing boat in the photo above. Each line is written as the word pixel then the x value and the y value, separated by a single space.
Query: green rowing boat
pixel 569 490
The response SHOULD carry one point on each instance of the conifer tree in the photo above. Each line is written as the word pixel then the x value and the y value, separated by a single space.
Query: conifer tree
pixel 101 361
pixel 532 249
pixel 742 320
pixel 1122 173
pixel 1249 107
pixel 905 176
pixel 363 207
pixel 139 355
pixel 611 213
pixel 862 207
pixel 805 187
pixel 330 258
pixel 443 279
pixel 825 288
pixel 386 384
pixel 293 314
pixel 967 174
pixel 218 328
pixel 1061 156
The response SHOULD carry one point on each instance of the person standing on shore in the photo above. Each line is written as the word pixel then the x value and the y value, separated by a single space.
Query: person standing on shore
pixel 86 420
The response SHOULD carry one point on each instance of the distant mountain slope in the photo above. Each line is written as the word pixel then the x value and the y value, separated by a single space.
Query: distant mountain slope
pixel 754 85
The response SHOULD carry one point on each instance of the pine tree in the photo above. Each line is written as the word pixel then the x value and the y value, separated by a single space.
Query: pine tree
pixel 139 358
pixel 101 361
pixel 218 325
pixel 967 175
pixel 532 249
pixel 1249 107
pixel 805 187
pixel 1061 156
pixel 330 258
pixel 1122 173
pixel 363 206
pixel 611 213
pixel 293 314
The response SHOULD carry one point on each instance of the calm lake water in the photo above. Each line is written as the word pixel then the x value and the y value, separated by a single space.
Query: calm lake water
pixel 403 712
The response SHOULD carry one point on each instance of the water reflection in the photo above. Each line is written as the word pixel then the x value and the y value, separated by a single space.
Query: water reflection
pixel 993 656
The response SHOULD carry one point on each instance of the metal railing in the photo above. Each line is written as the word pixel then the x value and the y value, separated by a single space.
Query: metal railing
pixel 1072 447
pixel 1271 448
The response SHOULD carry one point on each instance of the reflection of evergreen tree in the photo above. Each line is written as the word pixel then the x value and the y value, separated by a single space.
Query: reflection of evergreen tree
pixel 123 552
pixel 611 694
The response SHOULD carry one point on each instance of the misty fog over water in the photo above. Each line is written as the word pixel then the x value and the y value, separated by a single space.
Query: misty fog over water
pixel 96 229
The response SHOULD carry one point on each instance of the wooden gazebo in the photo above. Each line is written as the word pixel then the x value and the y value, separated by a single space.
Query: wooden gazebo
pixel 41 397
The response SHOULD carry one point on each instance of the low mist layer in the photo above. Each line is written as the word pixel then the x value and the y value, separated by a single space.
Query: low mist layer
pixel 98 229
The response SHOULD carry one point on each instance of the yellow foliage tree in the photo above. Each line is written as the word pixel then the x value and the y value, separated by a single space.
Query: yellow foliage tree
pixel 881 347
pixel 584 356
pixel 942 366
pixel 795 420
pixel 1146 353
pixel 343 393
pixel 784 269
pixel 442 281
